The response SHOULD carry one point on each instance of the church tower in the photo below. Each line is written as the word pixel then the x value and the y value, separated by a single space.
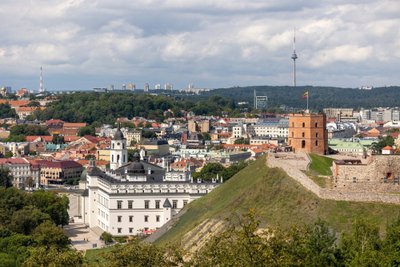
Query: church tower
pixel 119 152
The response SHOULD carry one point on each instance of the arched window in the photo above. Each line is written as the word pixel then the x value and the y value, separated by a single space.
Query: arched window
pixel 124 158
pixel 302 134
pixel 316 125
pixel 117 158
pixel 303 144
pixel 316 142
pixel 304 124
pixel 112 158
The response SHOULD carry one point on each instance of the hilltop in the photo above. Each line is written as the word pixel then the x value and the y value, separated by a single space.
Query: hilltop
pixel 277 200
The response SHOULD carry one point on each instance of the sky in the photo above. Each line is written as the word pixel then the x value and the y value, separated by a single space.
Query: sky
pixel 83 44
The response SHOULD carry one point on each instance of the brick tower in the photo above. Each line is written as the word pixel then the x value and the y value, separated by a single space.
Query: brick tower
pixel 307 133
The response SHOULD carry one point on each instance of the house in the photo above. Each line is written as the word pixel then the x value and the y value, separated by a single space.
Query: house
pixel 57 172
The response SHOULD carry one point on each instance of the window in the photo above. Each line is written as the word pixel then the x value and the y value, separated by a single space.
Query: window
pixel 130 218
pixel 157 218
pixel 316 142
pixel 146 204
pixel 185 202
pixel 316 135
pixel 119 230
pixel 157 204
pixel 119 204
pixel 119 218
pixel 292 134
pixel 130 230
pixel 304 125
pixel 146 218
pixel 174 204
pixel 303 144
pixel 354 180
pixel 130 204
pixel 316 125
pixel 302 134
pixel 293 124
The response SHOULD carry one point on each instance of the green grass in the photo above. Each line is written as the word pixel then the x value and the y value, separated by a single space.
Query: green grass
pixel 278 200
pixel 95 256
pixel 320 164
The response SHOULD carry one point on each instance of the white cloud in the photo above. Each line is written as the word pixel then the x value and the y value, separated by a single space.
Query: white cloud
pixel 211 43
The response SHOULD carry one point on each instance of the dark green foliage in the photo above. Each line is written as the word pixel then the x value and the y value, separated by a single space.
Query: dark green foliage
pixel 25 220
pixel 136 253
pixel 19 132
pixel 58 139
pixel 87 130
pixel 211 170
pixel 149 134
pixel 105 108
pixel 28 228
pixel 242 140
pixel 53 205
pixel 107 238
pixel 7 112
pixel 383 141
pixel 5 177
pixel 320 97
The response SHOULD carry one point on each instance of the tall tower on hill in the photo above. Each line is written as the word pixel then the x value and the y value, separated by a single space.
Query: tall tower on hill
pixel 294 57
pixel 41 89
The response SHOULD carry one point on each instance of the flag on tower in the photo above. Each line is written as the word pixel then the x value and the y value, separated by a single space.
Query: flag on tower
pixel 305 95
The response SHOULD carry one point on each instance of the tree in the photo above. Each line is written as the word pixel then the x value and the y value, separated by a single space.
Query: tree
pixel 107 238
pixel 47 234
pixel 87 130
pixel 5 177
pixel 53 205
pixel 7 112
pixel 242 140
pixel 58 139
pixel 34 103
pixel 209 171
pixel 25 220
pixel 53 257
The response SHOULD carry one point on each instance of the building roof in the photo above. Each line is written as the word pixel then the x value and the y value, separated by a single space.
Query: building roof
pixel 118 135
pixel 387 148
pixel 167 204
pixel 65 164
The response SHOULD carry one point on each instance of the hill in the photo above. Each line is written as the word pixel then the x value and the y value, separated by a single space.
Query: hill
pixel 277 200
pixel 320 97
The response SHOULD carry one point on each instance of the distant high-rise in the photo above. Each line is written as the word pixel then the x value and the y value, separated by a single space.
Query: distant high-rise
pixel 146 87
pixel 41 88
pixel 294 57
pixel 157 86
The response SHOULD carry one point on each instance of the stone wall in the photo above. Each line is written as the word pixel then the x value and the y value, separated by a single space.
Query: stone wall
pixel 326 193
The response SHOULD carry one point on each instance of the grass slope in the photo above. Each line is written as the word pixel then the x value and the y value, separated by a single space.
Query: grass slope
pixel 278 200
pixel 320 164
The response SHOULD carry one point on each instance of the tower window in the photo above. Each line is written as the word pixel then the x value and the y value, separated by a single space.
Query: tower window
pixel 304 124
pixel 316 142
pixel 303 144
pixel 117 158
pixel 316 125
pixel 316 135
pixel 302 134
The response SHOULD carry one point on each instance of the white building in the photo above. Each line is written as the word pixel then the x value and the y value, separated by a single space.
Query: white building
pixel 137 197
pixel 275 129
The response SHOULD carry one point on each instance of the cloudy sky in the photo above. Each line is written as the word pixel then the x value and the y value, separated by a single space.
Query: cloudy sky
pixel 83 44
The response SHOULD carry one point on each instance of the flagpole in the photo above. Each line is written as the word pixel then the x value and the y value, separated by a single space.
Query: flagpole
pixel 307 100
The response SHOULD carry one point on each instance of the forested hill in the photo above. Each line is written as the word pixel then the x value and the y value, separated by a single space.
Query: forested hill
pixel 320 97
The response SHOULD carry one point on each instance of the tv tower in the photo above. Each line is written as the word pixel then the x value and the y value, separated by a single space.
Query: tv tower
pixel 41 89
pixel 294 57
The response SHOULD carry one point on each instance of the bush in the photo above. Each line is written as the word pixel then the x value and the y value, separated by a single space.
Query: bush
pixel 107 238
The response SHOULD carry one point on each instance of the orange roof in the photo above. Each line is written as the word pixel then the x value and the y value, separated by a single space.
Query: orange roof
pixel 387 148
pixel 53 121
pixel 71 138
pixel 27 109
pixel 74 124
pixel 32 138
pixel 18 103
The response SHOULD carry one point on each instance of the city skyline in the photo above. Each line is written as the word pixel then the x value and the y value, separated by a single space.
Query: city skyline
pixel 86 44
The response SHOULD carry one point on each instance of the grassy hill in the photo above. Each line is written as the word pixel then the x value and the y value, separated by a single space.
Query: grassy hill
pixel 278 200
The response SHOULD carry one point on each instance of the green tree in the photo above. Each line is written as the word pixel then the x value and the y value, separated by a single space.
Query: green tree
pixel 87 130
pixel 47 234
pixel 7 112
pixel 25 220
pixel 53 257
pixel 107 238
pixel 209 171
pixel 53 205
pixel 5 177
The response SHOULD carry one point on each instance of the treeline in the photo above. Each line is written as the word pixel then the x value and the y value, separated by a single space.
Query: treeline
pixel 243 243
pixel 30 229
pixel 319 97
pixel 215 169
pixel 97 108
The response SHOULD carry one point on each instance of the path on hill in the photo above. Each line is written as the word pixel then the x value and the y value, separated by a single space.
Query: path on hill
pixel 294 163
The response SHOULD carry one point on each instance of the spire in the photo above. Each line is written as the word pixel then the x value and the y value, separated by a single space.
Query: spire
pixel 294 57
